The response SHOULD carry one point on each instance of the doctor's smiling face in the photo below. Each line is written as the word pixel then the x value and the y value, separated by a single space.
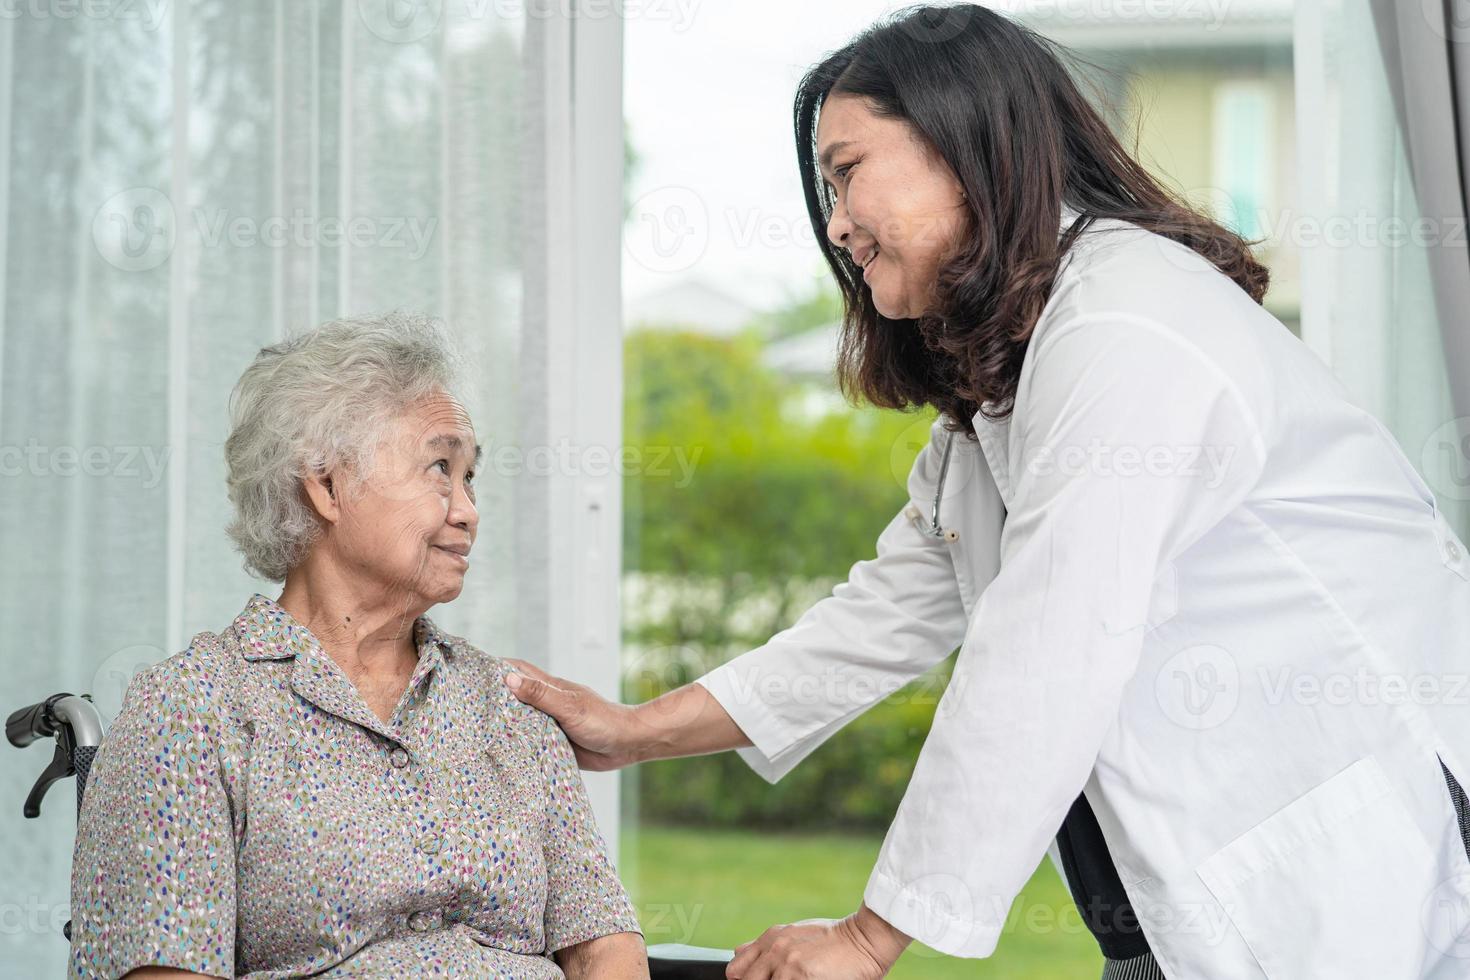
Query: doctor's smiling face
pixel 897 206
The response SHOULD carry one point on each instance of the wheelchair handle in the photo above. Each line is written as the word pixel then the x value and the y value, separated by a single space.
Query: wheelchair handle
pixel 77 727
pixel 45 718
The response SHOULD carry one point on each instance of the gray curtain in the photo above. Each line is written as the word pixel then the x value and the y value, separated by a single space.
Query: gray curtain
pixel 1426 58
pixel 181 183
pixel 1381 219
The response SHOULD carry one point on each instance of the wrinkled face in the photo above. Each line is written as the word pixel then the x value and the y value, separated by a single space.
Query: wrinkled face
pixel 409 529
pixel 899 209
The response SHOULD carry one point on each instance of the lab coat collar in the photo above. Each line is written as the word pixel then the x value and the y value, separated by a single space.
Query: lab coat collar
pixel 992 435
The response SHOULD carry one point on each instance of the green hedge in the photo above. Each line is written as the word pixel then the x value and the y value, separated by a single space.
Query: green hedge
pixel 853 782
pixel 781 502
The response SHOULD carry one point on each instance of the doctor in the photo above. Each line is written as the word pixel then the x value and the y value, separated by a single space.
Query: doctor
pixel 1213 629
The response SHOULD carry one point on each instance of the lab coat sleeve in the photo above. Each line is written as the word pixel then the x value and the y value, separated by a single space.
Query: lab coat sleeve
pixel 896 616
pixel 1056 636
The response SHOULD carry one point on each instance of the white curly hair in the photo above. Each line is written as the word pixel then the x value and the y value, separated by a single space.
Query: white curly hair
pixel 320 402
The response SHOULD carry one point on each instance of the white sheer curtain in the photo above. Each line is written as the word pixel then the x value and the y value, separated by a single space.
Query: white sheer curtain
pixel 183 182
pixel 1368 304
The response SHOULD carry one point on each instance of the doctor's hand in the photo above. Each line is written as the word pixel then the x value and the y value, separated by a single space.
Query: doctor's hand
pixel 606 735
pixel 859 947
pixel 601 732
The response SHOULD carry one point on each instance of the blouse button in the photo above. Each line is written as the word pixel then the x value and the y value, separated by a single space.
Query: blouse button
pixel 423 920
pixel 1452 550
pixel 430 843
pixel 399 757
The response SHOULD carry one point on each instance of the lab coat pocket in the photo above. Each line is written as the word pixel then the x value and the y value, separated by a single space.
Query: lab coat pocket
pixel 1332 884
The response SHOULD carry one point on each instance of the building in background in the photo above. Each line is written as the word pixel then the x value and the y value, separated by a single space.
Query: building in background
pixel 1211 99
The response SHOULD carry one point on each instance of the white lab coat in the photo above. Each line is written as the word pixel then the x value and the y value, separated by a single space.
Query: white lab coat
pixel 1192 578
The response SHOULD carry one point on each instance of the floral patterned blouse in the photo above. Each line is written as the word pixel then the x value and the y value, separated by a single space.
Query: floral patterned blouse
pixel 249 815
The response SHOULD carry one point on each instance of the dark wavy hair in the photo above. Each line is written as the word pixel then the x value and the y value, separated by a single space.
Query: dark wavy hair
pixel 998 103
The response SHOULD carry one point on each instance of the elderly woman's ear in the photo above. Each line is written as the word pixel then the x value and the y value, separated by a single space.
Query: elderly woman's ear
pixel 321 491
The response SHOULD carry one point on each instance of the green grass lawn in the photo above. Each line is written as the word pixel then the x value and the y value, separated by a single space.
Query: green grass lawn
pixel 720 887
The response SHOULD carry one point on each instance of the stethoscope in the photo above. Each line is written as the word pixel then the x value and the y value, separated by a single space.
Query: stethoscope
pixel 934 528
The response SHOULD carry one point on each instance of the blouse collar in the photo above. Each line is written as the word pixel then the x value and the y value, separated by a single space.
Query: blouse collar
pixel 268 632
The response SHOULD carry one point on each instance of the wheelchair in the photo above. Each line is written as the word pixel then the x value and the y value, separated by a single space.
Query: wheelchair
pixel 75 725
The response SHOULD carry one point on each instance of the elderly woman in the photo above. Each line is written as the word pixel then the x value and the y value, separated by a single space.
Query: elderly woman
pixel 332 786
